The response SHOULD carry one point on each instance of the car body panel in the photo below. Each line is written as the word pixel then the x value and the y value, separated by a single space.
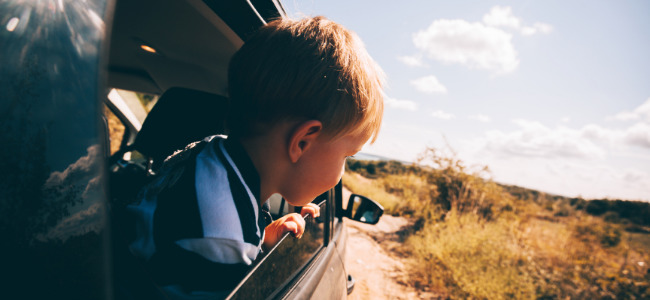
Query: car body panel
pixel 52 184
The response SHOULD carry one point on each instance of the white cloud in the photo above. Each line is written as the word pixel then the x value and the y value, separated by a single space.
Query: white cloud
pixel 533 139
pixel 81 175
pixel 477 45
pixel 82 222
pixel 84 168
pixel 635 135
pixel 642 112
pixel 538 27
pixel 412 61
pixel 599 180
pixel 634 176
pixel 480 118
pixel 442 115
pixel 597 133
pixel 400 104
pixel 638 135
pixel 470 44
pixel 624 116
pixel 503 17
pixel 429 85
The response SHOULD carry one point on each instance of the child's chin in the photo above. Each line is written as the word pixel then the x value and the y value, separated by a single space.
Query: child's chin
pixel 301 202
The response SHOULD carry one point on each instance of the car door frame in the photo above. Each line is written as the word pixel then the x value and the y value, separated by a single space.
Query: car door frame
pixel 322 277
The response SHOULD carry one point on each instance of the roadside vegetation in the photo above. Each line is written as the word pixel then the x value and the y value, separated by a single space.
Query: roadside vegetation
pixel 474 238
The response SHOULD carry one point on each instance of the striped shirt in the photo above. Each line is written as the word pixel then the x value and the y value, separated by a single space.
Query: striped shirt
pixel 199 223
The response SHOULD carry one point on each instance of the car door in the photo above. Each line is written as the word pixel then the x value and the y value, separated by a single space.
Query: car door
pixel 53 213
pixel 304 268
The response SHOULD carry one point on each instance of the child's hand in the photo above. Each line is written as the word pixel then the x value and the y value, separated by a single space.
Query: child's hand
pixel 311 209
pixel 293 223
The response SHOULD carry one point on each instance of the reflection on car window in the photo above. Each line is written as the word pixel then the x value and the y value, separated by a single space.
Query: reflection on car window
pixel 281 265
pixel 52 210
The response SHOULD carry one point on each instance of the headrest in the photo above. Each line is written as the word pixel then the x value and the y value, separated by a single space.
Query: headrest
pixel 180 116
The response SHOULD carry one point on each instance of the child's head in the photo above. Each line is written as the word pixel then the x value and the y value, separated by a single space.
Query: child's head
pixel 311 69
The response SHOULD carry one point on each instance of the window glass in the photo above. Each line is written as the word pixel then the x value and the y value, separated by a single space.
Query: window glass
pixel 116 130
pixel 337 207
pixel 147 100
pixel 125 112
pixel 52 196
pixel 139 104
pixel 284 262
pixel 279 207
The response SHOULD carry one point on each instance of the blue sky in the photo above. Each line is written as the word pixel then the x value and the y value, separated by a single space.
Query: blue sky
pixel 550 95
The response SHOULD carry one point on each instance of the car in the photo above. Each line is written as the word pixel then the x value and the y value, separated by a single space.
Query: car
pixel 95 95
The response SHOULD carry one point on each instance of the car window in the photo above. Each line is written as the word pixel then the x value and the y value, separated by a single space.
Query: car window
pixel 139 104
pixel 116 130
pixel 281 265
pixel 279 207
pixel 52 188
pixel 337 208
pixel 124 113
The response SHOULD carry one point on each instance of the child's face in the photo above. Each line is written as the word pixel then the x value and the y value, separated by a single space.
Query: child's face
pixel 321 168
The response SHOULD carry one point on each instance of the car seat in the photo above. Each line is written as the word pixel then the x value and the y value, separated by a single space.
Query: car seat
pixel 180 116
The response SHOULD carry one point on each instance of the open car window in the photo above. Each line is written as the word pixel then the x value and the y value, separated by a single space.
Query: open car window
pixel 276 270
pixel 125 112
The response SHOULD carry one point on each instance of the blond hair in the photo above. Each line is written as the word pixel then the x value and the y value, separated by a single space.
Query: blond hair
pixel 310 69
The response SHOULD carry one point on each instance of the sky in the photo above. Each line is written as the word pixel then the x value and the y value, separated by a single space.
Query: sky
pixel 550 95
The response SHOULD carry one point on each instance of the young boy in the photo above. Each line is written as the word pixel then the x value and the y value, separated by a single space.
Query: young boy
pixel 304 96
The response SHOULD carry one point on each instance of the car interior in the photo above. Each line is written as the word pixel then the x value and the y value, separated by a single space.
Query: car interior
pixel 178 51
pixel 167 78
pixel 175 52
pixel 162 68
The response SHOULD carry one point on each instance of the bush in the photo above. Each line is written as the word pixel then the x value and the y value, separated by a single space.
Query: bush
pixel 597 207
pixel 460 190
pixel 610 236
pixel 477 239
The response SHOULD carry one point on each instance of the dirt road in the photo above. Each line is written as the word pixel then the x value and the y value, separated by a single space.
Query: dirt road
pixel 374 259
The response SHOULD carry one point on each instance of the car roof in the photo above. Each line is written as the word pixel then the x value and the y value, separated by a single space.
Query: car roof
pixel 193 42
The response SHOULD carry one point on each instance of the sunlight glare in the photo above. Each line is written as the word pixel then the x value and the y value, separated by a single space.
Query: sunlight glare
pixel 12 24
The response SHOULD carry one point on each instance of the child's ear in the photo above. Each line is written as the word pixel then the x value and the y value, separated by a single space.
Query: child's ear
pixel 303 137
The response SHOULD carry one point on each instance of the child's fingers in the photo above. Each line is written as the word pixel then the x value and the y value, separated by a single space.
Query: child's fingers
pixel 290 226
pixel 311 209
pixel 297 224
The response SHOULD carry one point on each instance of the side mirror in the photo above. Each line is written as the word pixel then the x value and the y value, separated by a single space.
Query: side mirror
pixel 363 209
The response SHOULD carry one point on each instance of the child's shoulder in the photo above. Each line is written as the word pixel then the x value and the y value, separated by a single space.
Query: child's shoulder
pixel 177 164
pixel 190 151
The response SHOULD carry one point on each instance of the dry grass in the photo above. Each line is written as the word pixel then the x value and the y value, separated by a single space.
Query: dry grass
pixel 476 241
pixel 467 257
pixel 372 189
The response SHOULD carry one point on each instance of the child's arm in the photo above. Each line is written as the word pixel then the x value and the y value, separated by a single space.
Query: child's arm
pixel 293 222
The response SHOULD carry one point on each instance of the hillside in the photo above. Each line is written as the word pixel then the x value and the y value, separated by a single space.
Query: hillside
pixel 614 210
pixel 475 238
